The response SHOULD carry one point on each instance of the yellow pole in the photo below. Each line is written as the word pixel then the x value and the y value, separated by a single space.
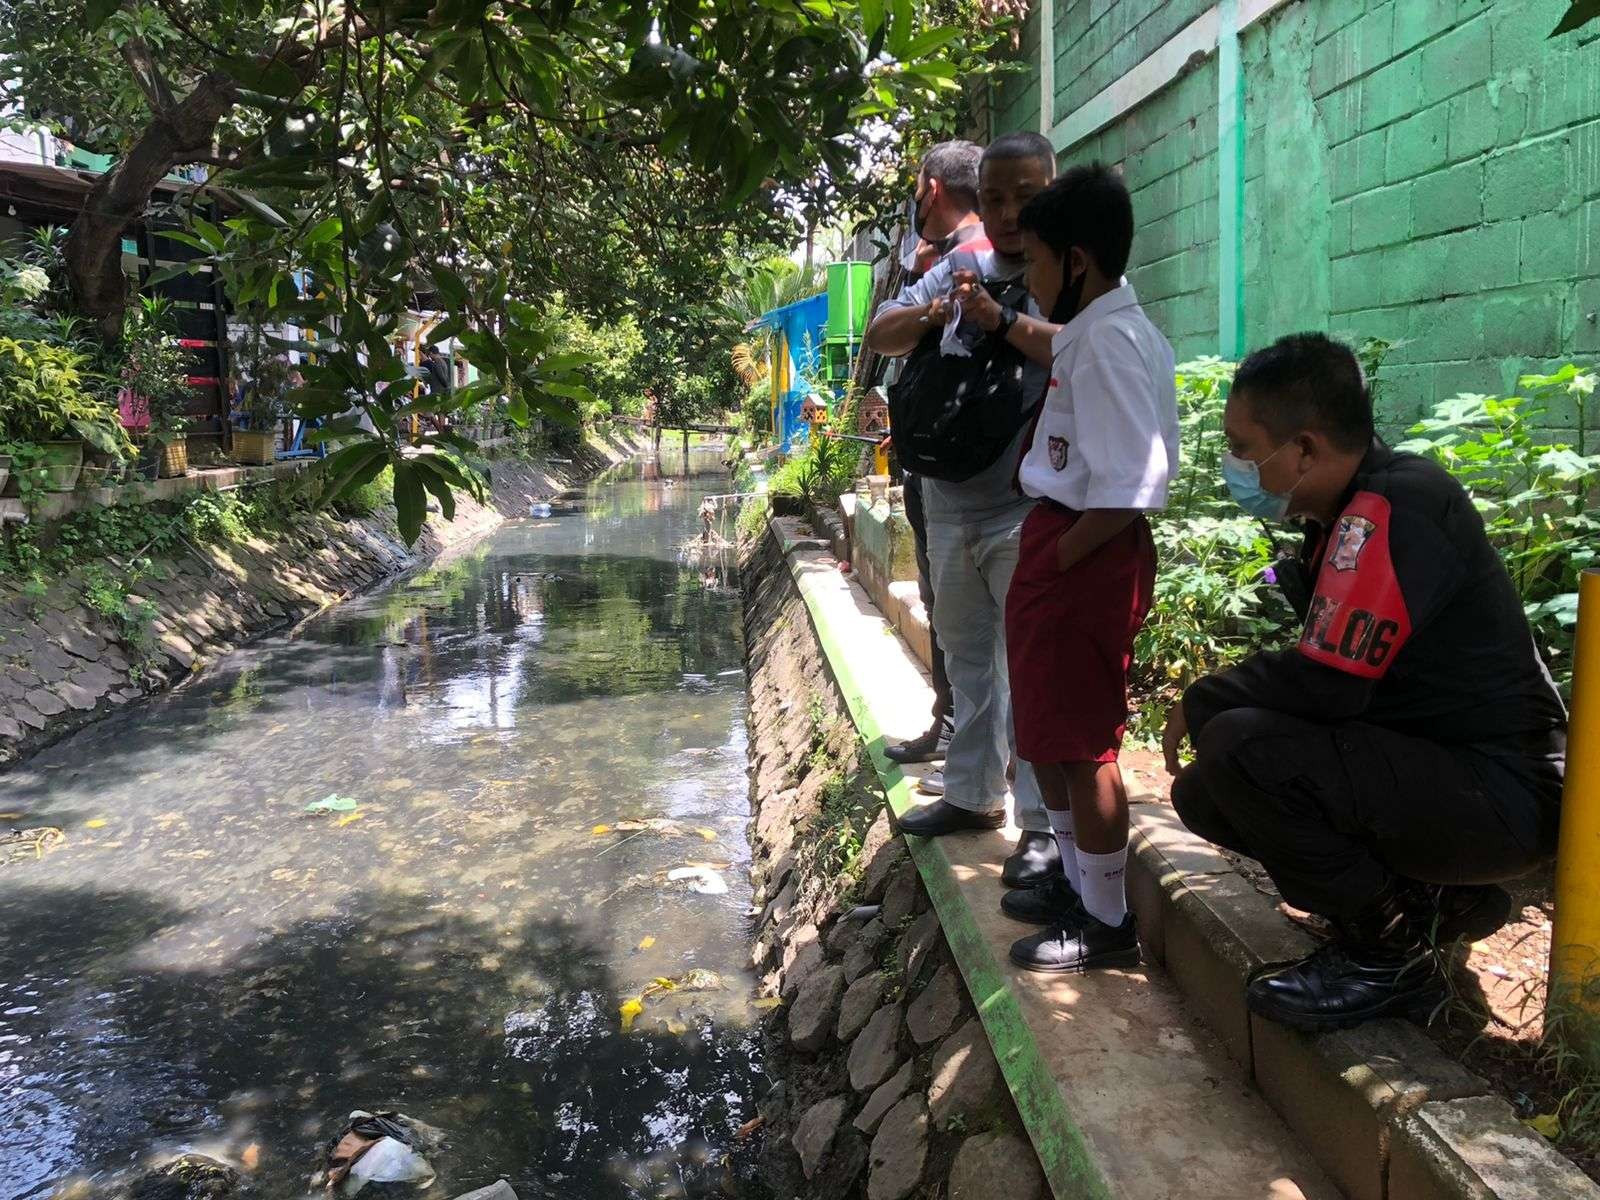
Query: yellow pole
pixel 1575 939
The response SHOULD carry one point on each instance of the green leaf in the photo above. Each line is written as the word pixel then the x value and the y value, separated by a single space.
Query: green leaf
pixel 902 14
pixel 410 502
pixel 427 468
pixel 871 17
pixel 273 78
pixel 451 288
pixel 557 364
pixel 930 40
pixel 261 209
pixel 323 231
pixel 570 391
pixel 98 12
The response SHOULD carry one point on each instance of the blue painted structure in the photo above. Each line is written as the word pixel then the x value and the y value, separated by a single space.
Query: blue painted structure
pixel 798 352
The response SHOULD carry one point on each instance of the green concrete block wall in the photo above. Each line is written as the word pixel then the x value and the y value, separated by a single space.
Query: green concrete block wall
pixel 1426 171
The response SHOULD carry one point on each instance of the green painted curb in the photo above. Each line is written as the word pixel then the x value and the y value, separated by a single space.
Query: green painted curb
pixel 1063 1152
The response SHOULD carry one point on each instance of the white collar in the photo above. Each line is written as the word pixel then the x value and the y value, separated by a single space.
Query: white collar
pixel 1120 297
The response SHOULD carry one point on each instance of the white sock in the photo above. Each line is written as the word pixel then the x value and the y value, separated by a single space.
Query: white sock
pixel 1061 826
pixel 1100 884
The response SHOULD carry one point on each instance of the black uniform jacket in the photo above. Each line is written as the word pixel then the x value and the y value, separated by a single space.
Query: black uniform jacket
pixel 1413 625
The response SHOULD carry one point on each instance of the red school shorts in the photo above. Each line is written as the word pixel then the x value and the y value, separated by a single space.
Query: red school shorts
pixel 1069 638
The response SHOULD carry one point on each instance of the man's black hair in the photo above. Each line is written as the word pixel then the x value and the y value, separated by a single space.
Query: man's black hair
pixel 1021 144
pixel 1087 206
pixel 1307 381
pixel 955 165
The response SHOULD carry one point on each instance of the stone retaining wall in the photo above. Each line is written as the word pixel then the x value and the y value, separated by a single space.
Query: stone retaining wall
pixel 889 1087
pixel 63 664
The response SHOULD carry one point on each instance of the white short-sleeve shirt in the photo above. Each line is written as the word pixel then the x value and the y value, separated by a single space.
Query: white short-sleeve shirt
pixel 1107 435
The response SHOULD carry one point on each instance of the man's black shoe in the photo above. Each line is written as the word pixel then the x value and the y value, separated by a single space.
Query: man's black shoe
pixel 942 817
pixel 930 747
pixel 1049 903
pixel 1341 985
pixel 1036 859
pixel 1442 913
pixel 1088 946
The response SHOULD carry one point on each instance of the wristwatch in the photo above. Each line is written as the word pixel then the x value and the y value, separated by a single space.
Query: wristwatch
pixel 1008 318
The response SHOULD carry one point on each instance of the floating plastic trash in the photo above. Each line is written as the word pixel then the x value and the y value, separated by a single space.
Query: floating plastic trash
pixel 540 510
pixel 388 1160
pixel 332 802
pixel 700 879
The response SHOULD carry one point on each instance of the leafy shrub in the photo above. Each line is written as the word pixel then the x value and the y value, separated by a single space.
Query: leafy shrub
pixel 1214 597
pixel 1536 495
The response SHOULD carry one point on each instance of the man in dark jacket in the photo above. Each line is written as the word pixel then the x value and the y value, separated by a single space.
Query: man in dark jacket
pixel 1408 753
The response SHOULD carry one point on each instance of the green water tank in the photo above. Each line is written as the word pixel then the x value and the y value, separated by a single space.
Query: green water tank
pixel 849 296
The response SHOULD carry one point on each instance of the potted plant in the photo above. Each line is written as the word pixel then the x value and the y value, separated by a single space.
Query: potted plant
pixel 53 404
pixel 155 373
pixel 258 404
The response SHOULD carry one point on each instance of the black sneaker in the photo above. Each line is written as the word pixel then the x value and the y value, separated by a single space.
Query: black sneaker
pixel 1036 859
pixel 1341 985
pixel 1090 945
pixel 930 747
pixel 1049 903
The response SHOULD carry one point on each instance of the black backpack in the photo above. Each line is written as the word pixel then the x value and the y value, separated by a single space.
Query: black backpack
pixel 951 417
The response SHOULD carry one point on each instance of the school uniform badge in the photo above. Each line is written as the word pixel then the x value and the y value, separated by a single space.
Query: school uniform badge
pixel 1058 452
pixel 1349 540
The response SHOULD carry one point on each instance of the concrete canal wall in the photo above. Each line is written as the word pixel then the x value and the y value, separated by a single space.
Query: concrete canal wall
pixel 889 1086
pixel 63 662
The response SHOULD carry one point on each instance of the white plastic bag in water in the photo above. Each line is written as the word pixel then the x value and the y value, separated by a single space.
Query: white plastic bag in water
pixel 704 880
pixel 388 1161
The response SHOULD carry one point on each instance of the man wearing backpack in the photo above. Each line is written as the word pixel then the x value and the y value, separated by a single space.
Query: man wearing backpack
pixel 959 416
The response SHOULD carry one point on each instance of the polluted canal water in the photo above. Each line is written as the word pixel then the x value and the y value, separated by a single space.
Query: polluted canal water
pixel 430 853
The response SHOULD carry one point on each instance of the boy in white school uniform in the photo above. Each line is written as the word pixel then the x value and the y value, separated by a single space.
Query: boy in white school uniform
pixel 1103 450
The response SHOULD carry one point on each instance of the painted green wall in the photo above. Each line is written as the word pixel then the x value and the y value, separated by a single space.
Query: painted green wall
pixel 1422 170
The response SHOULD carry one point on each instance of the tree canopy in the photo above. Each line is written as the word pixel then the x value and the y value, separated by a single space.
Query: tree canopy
pixel 480 156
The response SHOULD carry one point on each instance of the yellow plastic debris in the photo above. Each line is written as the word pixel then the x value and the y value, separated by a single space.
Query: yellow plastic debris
pixel 1546 1125
pixel 600 830
pixel 710 835
pixel 349 817
pixel 630 1010
pixel 97 823
pixel 646 943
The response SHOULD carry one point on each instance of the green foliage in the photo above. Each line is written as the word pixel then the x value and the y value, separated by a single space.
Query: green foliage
pixel 1214 602
pixel 368 498
pixel 155 368
pixel 1536 496
pixel 624 155
pixel 52 392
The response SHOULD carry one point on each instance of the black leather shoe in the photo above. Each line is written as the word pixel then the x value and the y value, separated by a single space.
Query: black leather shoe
pixel 1088 946
pixel 930 747
pixel 1049 903
pixel 1036 859
pixel 942 817
pixel 1341 985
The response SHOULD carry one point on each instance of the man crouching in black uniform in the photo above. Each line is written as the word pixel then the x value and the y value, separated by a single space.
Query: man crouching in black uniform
pixel 1408 754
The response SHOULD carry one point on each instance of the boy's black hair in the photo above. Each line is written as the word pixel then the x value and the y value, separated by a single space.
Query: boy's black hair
pixel 1308 381
pixel 955 165
pixel 1087 206
pixel 1021 144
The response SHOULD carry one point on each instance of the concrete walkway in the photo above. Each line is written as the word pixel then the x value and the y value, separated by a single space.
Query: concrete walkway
pixel 1124 1092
